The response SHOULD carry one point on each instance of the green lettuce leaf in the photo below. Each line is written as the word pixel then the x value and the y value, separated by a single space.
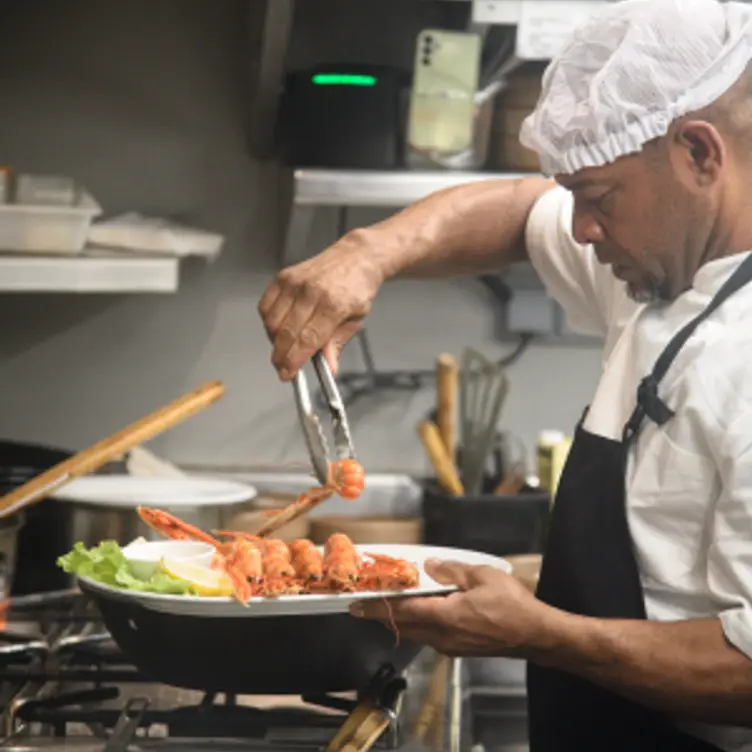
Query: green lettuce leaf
pixel 106 563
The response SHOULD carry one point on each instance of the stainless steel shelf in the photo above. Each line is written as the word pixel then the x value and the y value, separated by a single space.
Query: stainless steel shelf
pixel 379 189
pixel 88 274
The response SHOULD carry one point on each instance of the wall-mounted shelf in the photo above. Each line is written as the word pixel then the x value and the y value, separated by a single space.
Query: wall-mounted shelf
pixel 379 189
pixel 343 189
pixel 88 274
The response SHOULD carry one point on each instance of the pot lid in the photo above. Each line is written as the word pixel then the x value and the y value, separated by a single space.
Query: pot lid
pixel 128 491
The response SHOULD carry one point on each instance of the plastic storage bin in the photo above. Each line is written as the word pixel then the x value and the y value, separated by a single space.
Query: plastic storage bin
pixel 47 229
pixel 493 524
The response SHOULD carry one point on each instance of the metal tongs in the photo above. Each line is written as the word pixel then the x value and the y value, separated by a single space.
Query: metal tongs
pixel 312 429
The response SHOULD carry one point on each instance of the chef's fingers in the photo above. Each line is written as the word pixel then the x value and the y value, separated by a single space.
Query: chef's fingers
pixel 307 337
pixel 268 306
pixel 344 333
pixel 276 315
pixel 296 324
pixel 451 573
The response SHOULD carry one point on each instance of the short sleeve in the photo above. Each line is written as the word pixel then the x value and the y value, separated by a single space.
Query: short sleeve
pixel 585 289
pixel 730 550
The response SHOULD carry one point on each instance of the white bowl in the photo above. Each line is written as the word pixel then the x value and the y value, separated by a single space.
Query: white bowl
pixel 143 557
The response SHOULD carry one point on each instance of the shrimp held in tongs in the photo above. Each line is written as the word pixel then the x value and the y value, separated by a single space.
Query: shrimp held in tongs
pixel 343 476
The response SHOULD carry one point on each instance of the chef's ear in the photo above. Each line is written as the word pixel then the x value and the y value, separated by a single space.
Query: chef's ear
pixel 699 151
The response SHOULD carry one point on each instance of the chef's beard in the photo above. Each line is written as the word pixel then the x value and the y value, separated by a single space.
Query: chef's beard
pixel 644 295
pixel 649 292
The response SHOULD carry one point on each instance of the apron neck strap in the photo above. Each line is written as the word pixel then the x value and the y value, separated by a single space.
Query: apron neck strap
pixel 649 404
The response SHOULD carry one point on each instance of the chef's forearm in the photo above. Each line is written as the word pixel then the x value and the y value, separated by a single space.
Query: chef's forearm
pixel 471 229
pixel 687 668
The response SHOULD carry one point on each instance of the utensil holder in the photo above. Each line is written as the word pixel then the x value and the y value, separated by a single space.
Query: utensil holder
pixel 496 524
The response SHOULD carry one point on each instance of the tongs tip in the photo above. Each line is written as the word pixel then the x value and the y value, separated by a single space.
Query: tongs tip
pixel 311 424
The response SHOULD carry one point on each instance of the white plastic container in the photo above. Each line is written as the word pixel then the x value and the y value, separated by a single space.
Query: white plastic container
pixel 47 229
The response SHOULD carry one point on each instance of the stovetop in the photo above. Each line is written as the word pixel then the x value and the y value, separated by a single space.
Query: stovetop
pixel 65 685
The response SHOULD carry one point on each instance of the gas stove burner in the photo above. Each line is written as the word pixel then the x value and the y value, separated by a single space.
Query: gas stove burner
pixel 65 685
pixel 209 718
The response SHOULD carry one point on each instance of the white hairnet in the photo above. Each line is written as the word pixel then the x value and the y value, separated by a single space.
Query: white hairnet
pixel 629 72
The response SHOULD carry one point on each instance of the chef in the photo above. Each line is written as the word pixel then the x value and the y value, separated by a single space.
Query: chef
pixel 640 637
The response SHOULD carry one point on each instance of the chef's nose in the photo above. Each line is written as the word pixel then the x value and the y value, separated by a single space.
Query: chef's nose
pixel 586 228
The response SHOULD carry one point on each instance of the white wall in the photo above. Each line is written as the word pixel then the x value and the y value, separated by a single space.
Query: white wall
pixel 144 103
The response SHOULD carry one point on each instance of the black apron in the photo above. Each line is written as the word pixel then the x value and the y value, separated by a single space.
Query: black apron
pixel 589 568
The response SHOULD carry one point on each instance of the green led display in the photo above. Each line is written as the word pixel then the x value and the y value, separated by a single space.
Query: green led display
pixel 343 79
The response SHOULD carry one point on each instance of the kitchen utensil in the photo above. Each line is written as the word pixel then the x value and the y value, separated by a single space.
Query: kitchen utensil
pixel 315 439
pixel 312 429
pixel 513 482
pixel 255 651
pixel 272 655
pixel 483 389
pixel 103 507
pixel 447 378
pixel 428 715
pixel 107 449
pixel 442 464
pixel 129 492
pixel 499 525
pixel 41 528
pixel 9 528
pixel 303 605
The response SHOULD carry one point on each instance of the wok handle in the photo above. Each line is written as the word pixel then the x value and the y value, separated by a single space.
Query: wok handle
pixel 108 449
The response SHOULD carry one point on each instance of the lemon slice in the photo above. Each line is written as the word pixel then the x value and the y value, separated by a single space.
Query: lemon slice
pixel 208 582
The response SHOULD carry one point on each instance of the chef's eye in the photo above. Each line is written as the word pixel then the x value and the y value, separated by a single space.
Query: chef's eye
pixel 604 202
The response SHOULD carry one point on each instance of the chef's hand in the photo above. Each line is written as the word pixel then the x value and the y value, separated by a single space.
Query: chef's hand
pixel 320 304
pixel 492 615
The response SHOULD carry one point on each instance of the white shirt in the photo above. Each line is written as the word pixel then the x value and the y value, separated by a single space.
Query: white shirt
pixel 689 482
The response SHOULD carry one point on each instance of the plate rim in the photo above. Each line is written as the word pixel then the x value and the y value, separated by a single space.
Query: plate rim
pixel 206 603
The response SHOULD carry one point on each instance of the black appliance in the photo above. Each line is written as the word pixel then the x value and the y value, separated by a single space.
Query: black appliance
pixel 345 116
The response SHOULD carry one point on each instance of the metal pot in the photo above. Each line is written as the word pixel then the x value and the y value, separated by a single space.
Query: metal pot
pixel 51 527
pixel 9 528
pixel 92 523
pixel 43 532
pixel 300 654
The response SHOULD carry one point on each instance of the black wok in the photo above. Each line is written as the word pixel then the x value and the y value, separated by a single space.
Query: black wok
pixel 307 654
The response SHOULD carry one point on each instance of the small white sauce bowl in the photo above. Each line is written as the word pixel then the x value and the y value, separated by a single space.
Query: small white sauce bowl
pixel 143 557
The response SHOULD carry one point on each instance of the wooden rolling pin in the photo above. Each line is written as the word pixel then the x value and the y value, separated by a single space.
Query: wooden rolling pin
pixel 445 469
pixel 447 389
pixel 113 446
